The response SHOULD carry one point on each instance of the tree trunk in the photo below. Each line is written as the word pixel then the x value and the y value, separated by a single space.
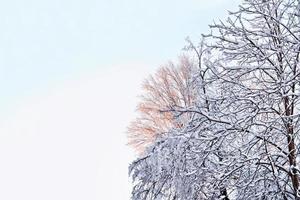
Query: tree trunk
pixel 291 147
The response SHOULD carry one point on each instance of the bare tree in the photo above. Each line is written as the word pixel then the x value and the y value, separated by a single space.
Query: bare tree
pixel 241 139
pixel 171 87
pixel 260 63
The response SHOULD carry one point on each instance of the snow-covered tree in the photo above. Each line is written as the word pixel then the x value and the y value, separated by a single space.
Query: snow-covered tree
pixel 241 140
pixel 168 168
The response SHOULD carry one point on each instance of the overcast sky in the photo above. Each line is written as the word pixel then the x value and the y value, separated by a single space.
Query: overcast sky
pixel 70 74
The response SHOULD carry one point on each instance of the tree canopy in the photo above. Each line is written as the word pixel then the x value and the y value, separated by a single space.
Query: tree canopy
pixel 234 130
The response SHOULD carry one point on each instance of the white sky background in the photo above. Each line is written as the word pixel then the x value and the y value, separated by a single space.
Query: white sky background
pixel 70 74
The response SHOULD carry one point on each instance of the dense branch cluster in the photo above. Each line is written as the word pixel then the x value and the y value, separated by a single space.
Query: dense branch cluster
pixel 171 87
pixel 232 130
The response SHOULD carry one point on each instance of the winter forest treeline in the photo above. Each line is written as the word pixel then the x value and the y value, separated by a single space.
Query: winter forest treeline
pixel 223 121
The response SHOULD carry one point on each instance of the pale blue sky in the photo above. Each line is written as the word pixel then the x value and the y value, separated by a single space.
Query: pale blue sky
pixel 45 42
pixel 70 74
